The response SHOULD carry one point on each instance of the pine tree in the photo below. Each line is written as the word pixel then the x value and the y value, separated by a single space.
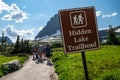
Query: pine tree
pixel 3 42
pixel 27 46
pixel 112 39
pixel 22 42
pixel 22 47
pixel 17 45
pixel 3 38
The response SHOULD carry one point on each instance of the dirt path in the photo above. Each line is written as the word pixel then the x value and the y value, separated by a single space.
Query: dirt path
pixel 33 71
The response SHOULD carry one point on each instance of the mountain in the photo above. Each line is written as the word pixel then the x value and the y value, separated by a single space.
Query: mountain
pixel 7 39
pixel 53 28
pixel 103 34
pixel 117 29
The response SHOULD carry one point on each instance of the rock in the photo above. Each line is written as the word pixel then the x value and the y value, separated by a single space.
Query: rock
pixel 12 66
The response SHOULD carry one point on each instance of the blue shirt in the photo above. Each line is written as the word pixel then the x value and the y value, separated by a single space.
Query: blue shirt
pixel 47 49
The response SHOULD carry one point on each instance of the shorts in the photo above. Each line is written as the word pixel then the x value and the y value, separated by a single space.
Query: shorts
pixel 40 52
pixel 48 55
pixel 34 51
pixel 43 50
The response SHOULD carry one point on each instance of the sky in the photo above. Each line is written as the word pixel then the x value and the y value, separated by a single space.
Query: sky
pixel 27 17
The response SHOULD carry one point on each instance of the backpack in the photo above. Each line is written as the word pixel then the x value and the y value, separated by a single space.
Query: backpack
pixel 34 48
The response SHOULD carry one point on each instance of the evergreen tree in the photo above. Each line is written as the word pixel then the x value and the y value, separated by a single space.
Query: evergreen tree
pixel 22 42
pixel 21 46
pixel 112 39
pixel 3 42
pixel 27 46
pixel 17 45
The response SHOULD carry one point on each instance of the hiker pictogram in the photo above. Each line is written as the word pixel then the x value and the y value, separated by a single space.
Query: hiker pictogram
pixel 78 19
pixel 75 20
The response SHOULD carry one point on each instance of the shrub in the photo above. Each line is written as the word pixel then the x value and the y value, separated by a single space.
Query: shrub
pixel 1 72
pixel 57 45
pixel 5 69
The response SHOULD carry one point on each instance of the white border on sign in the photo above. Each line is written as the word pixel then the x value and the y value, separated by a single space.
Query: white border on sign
pixel 62 28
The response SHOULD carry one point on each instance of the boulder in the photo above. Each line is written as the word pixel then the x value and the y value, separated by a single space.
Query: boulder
pixel 12 65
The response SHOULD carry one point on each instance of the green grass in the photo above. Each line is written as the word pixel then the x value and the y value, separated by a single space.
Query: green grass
pixel 103 64
pixel 57 49
pixel 4 59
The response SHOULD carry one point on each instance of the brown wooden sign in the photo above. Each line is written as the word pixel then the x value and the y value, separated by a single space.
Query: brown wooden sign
pixel 79 29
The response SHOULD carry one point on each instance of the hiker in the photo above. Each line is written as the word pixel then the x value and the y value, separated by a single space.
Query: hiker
pixel 48 52
pixel 37 55
pixel 34 51
pixel 40 52
pixel 44 53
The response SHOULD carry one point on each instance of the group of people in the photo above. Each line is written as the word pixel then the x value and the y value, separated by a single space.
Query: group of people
pixel 41 52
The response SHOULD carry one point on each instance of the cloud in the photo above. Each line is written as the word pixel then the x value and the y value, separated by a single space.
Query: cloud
pixel 40 15
pixel 11 31
pixel 40 28
pixel 14 12
pixel 4 7
pixel 109 15
pixel 18 16
pixel 98 13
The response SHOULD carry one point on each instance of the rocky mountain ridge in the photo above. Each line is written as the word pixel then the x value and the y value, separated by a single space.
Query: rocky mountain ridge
pixel 8 40
pixel 53 27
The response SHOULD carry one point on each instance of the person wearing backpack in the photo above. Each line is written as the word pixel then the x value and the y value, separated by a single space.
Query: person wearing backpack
pixel 40 51
pixel 43 50
pixel 34 51
pixel 48 52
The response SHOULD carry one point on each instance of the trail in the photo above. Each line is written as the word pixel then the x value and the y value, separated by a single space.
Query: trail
pixel 33 71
